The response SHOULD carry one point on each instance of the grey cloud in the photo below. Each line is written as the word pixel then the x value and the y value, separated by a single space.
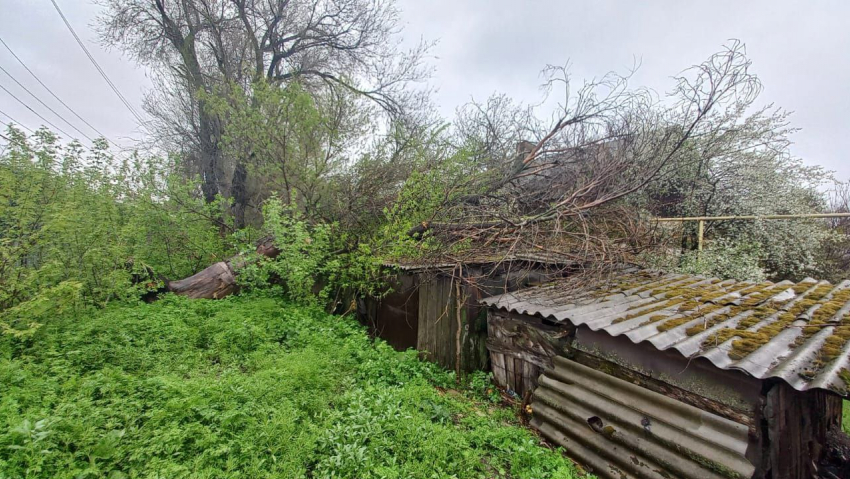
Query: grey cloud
pixel 798 50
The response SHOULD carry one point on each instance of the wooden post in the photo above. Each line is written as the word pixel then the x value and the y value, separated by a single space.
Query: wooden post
pixel 459 301
pixel 700 233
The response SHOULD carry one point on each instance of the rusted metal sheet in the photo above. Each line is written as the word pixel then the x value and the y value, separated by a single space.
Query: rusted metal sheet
pixel 795 332
pixel 395 316
pixel 623 431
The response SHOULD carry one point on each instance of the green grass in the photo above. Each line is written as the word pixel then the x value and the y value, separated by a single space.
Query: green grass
pixel 244 387
pixel 845 417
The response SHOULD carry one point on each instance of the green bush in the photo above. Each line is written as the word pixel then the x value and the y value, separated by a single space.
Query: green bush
pixel 724 260
pixel 92 228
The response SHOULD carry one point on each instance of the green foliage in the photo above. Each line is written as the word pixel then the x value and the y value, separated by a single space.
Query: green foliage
pixel 305 254
pixel 725 260
pixel 422 196
pixel 289 139
pixel 88 226
pixel 244 387
pixel 313 264
pixel 845 417
pixel 748 171
pixel 23 319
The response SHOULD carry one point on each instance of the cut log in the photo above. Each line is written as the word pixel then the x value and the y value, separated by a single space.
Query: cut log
pixel 219 280
pixel 216 281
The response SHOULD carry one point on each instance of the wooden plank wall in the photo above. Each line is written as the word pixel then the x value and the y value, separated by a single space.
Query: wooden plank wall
pixel 437 320
pixel 521 348
pixel 440 329
pixel 797 426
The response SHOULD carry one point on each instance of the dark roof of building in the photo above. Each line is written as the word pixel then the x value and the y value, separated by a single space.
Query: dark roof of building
pixel 475 258
pixel 797 332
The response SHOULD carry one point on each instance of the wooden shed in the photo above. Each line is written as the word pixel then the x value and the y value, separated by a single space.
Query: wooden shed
pixel 435 307
pixel 650 375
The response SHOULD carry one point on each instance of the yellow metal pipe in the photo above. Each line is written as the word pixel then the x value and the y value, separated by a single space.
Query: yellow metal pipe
pixel 754 217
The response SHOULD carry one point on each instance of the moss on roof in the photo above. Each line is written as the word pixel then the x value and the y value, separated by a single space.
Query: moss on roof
pixel 742 317
pixel 770 319
pixel 643 312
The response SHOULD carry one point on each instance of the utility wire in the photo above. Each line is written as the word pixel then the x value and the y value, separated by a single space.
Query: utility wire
pixel 51 92
pixel 60 130
pixel 96 65
pixel 45 104
pixel 16 121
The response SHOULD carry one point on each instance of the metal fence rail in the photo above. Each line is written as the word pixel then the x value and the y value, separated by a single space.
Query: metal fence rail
pixel 703 219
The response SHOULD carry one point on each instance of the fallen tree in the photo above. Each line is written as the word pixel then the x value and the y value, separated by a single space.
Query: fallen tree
pixel 218 280
pixel 561 187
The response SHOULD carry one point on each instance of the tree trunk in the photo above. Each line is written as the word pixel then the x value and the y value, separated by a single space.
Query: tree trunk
pixel 219 280
pixel 209 154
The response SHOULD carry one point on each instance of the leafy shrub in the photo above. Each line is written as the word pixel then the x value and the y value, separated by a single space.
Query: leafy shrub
pixel 725 260
pixel 314 264
pixel 92 226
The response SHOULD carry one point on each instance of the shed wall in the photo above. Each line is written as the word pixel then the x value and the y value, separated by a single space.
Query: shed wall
pixel 797 427
pixel 521 348
pixel 698 376
pixel 452 328
pixel 448 322
pixel 394 317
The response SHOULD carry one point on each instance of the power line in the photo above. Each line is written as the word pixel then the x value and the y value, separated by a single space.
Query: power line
pixel 60 130
pixel 96 65
pixel 16 121
pixel 44 104
pixel 51 91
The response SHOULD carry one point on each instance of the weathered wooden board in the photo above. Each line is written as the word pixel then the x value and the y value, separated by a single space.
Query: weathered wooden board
pixel 445 324
pixel 436 338
pixel 797 427
pixel 521 348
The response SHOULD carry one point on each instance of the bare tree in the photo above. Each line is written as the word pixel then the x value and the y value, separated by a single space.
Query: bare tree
pixel 199 46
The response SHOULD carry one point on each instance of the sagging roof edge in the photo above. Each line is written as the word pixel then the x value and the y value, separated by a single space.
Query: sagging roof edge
pixel 787 368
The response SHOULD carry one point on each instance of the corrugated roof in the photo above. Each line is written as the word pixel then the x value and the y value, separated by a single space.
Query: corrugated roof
pixel 796 332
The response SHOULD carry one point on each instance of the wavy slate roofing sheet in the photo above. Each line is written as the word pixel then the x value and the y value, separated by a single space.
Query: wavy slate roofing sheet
pixel 799 332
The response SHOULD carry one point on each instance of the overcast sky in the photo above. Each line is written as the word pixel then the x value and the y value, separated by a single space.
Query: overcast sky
pixel 798 49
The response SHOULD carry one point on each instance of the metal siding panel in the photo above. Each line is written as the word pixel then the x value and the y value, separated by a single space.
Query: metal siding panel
pixel 623 430
pixel 395 317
